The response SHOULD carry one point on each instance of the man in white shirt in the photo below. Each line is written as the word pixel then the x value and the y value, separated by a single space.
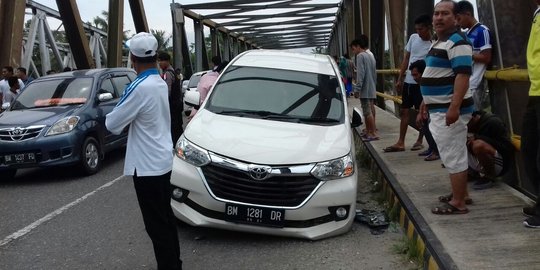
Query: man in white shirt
pixel 144 106
pixel 416 49
pixel 7 72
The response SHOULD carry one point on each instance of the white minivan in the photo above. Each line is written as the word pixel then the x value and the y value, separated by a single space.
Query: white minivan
pixel 271 150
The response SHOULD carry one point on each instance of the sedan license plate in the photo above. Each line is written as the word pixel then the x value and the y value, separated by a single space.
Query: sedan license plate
pixel 254 215
pixel 22 158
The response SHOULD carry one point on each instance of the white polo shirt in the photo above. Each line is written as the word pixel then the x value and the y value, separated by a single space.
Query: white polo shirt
pixel 145 107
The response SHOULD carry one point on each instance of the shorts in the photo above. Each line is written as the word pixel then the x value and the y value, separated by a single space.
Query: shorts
pixel 479 97
pixel 476 166
pixel 366 106
pixel 451 141
pixel 411 96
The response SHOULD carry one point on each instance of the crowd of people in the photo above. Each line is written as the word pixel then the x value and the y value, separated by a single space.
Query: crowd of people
pixel 441 76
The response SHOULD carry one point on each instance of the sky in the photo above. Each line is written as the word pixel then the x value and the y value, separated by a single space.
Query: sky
pixel 158 13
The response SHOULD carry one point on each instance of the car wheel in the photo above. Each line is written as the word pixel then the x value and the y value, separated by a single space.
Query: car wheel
pixel 90 156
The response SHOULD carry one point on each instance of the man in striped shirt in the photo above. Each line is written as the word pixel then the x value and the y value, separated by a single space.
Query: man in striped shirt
pixel 445 89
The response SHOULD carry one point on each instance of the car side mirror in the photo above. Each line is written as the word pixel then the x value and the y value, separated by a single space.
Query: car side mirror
pixel 105 97
pixel 191 98
pixel 356 118
pixel 6 105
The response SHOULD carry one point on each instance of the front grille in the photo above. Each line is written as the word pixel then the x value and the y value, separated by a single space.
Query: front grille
pixel 18 134
pixel 278 190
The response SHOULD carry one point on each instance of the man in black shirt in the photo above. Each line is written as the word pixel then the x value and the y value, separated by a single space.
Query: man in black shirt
pixel 490 150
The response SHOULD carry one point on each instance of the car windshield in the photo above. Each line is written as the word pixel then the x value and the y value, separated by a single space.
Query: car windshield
pixel 194 80
pixel 54 92
pixel 281 95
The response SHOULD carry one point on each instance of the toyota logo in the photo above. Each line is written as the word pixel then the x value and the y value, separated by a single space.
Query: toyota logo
pixel 259 172
pixel 17 131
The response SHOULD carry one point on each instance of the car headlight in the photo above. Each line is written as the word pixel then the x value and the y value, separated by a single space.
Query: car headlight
pixel 63 125
pixel 191 153
pixel 334 169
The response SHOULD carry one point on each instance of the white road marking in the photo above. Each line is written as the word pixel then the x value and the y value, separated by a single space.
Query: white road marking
pixel 53 214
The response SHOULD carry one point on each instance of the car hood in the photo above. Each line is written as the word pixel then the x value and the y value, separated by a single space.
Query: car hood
pixel 37 116
pixel 266 141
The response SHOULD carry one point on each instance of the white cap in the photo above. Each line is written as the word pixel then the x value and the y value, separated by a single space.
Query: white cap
pixel 142 45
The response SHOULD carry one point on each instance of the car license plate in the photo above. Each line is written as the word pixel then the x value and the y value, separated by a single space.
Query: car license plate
pixel 254 215
pixel 20 158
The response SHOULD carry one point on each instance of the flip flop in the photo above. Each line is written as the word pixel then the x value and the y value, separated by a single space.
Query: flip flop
pixel 417 146
pixel 447 198
pixel 393 148
pixel 369 139
pixel 448 209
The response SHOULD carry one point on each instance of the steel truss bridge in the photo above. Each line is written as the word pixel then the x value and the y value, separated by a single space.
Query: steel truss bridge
pixel 236 26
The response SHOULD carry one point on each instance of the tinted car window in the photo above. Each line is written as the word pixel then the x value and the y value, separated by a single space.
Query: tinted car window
pixel 121 82
pixel 194 80
pixel 107 87
pixel 54 92
pixel 266 92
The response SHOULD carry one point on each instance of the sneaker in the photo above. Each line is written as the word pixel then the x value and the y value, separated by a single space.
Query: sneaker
pixel 532 222
pixel 528 211
pixel 483 183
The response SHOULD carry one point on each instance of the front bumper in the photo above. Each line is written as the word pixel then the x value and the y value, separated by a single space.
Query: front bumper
pixel 57 150
pixel 313 219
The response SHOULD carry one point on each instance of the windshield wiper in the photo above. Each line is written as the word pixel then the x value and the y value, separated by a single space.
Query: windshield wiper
pixel 261 114
pixel 318 120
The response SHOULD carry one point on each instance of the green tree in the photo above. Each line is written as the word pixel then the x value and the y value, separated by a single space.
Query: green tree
pixel 101 22
pixel 162 39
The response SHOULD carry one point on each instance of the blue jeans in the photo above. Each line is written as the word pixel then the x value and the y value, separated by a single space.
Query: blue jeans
pixel 530 145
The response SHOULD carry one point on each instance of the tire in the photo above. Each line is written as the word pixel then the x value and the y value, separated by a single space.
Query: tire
pixel 90 162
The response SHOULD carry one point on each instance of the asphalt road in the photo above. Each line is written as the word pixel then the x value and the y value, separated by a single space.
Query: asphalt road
pixel 57 219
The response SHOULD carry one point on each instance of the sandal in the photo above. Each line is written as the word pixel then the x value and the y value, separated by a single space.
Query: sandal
pixel 426 152
pixel 432 157
pixel 447 198
pixel 369 138
pixel 417 146
pixel 393 148
pixel 448 209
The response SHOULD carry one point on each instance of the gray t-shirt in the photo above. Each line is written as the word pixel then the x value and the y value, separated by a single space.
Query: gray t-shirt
pixel 366 75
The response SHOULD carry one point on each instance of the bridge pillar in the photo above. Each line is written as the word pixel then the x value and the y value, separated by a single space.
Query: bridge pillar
pixel 139 16
pixel 226 47
pixel 115 34
pixel 11 31
pixel 510 34
pixel 181 55
pixel 395 18
pixel 75 33
pixel 215 42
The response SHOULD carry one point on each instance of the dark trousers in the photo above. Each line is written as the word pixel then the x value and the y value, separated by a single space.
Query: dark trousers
pixel 176 124
pixel 530 145
pixel 153 194
pixel 429 137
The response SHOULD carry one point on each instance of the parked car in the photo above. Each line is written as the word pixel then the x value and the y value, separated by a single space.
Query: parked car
pixel 191 85
pixel 271 150
pixel 59 120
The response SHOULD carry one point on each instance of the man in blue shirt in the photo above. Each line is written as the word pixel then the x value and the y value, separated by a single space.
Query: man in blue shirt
pixel 479 37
